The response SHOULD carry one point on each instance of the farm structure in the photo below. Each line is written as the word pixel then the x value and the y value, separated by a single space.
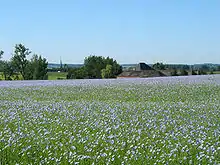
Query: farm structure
pixel 141 70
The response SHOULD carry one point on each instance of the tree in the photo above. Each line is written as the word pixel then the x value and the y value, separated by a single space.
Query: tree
pixel 193 72
pixel 6 67
pixel 174 73
pixel 38 66
pixel 77 73
pixel 1 62
pixel 19 59
pixel 205 68
pixel 185 67
pixel 65 68
pixel 183 72
pixel 116 68
pixel 96 67
pixel 107 72
pixel 1 53
pixel 202 72
pixel 95 64
pixel 211 72
pixel 159 66
pixel 8 70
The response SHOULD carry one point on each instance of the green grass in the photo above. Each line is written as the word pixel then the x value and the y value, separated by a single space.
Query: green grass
pixel 13 77
pixel 216 72
pixel 51 75
pixel 56 75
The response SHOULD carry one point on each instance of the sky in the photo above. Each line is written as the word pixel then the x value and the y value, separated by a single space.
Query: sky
pixel 130 31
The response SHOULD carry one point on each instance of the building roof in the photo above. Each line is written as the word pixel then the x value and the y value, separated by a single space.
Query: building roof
pixel 142 70
pixel 142 66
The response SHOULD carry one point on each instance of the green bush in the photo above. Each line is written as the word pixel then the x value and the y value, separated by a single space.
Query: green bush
pixel 183 72
pixel 174 72
pixel 193 72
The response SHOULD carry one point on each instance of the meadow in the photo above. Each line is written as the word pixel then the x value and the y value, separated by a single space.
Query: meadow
pixel 165 120
pixel 51 76
pixel 56 75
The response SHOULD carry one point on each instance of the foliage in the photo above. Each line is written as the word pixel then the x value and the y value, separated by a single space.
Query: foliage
pixel 212 72
pixel 6 67
pixel 193 72
pixel 201 72
pixel 1 62
pixel 177 66
pixel 116 68
pixel 65 68
pixel 107 72
pixel 19 60
pixel 8 70
pixel 36 68
pixel 77 73
pixel 159 66
pixel 1 53
pixel 205 68
pixel 183 72
pixel 174 72
pixel 39 67
pixel 96 67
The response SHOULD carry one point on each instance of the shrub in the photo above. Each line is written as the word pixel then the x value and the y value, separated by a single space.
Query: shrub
pixel 193 72
pixel 183 72
pixel 174 73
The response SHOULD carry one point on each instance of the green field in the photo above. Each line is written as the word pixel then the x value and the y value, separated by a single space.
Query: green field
pixel 19 77
pixel 140 121
pixel 56 75
pixel 216 72
pixel 51 75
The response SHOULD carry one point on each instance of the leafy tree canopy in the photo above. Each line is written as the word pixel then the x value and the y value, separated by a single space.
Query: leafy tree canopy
pixel 159 66
pixel 19 59
pixel 36 68
pixel 183 72
pixel 1 53
pixel 96 67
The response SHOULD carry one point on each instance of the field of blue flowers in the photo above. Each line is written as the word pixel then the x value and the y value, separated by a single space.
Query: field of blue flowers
pixel 169 120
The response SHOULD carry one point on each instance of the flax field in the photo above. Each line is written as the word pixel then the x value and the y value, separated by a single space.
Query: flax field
pixel 155 121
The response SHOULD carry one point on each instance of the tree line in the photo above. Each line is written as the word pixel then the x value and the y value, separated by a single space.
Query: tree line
pixel 183 69
pixel 33 69
pixel 19 67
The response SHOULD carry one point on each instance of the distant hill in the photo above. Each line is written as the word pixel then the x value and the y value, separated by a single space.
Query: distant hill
pixel 53 65
pixel 209 65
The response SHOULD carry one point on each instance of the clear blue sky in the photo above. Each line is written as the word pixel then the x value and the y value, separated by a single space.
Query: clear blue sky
pixel 130 31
